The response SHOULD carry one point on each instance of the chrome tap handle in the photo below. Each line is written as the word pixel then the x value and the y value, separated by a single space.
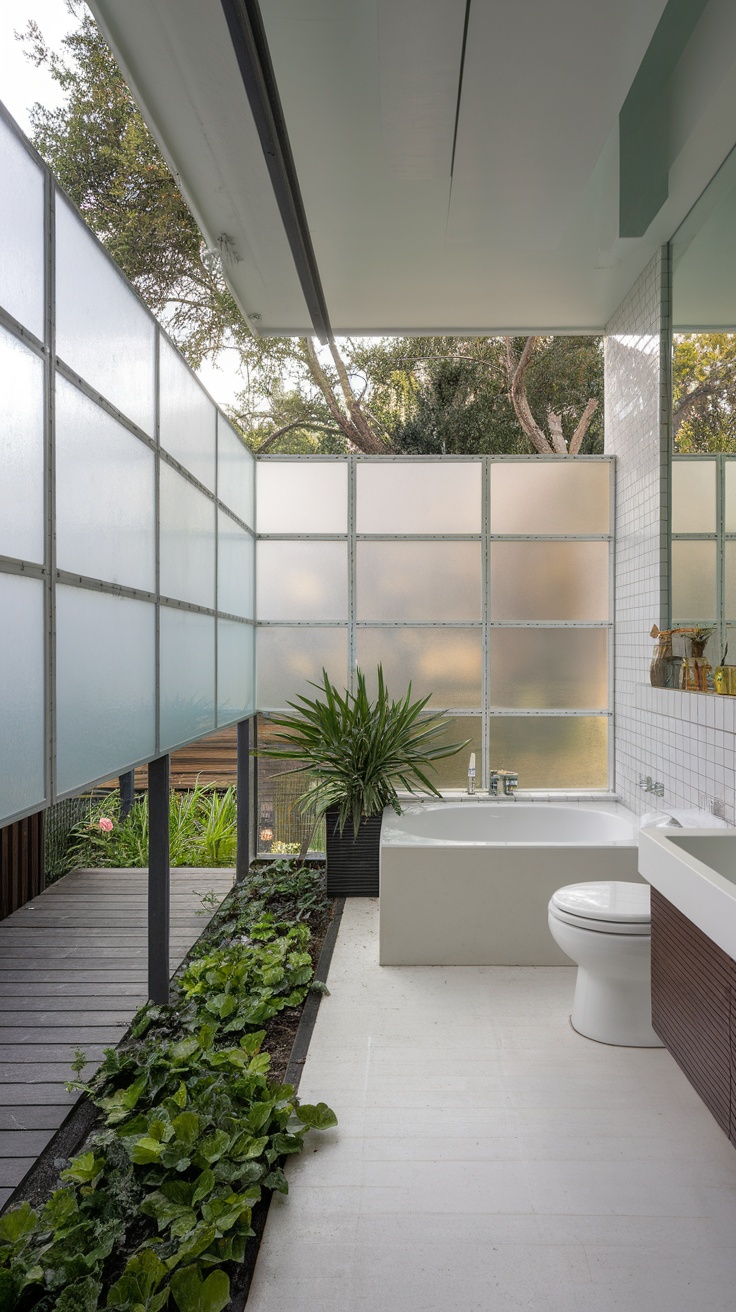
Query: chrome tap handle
pixel 494 780
pixel 510 782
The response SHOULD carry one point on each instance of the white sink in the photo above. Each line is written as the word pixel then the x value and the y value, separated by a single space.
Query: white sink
pixel 695 869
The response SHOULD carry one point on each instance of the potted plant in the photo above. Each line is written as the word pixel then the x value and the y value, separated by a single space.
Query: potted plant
pixel 359 751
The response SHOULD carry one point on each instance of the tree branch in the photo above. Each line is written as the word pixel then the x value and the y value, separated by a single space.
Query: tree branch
pixel 297 423
pixel 517 372
pixel 576 440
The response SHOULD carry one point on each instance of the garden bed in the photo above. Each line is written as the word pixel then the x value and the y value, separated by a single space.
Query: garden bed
pixel 181 1139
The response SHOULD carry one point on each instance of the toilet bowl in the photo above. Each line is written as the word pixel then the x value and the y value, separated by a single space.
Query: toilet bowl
pixel 606 929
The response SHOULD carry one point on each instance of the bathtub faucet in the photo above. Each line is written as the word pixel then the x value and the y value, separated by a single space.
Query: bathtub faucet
pixel 503 782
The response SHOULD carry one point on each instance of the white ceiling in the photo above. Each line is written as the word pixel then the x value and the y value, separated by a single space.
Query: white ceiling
pixel 521 237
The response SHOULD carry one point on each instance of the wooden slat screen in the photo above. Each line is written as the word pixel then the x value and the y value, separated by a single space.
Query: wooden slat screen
pixel 21 863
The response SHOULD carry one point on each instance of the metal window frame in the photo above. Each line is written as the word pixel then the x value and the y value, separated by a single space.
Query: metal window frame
pixel 485 625
pixel 47 570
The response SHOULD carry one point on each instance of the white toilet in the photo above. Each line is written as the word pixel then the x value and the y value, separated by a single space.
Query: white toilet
pixel 606 928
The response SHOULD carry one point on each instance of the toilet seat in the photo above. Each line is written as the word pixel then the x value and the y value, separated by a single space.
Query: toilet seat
pixel 605 907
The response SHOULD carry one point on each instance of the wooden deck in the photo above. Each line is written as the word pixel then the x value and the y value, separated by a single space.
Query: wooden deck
pixel 73 970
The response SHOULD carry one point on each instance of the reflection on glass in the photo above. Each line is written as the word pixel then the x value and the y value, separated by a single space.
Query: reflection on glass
pixel 729 469
pixel 550 496
pixel 289 660
pixel 301 497
pixel 235 568
pixel 549 581
pixel 551 751
pixel 694 595
pixel 302 581
pixel 22 736
pixel 418 581
pixel 187 676
pixel 552 669
pixel 22 460
pixel 445 663
pixel 694 496
pixel 729 586
pixel 405 496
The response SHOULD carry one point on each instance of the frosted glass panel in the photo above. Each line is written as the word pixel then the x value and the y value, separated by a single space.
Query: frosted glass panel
pixel 452 771
pixel 419 581
pixel 443 662
pixel 289 659
pixel 21 234
pixel 187 540
pixel 694 496
pixel 414 497
pixel 694 581
pixel 551 751
pixel 102 331
pixel 187 417
pixel 187 676
pixel 235 568
pixel 105 685
pixel 552 669
pixel 550 497
pixel 21 451
pixel 302 581
pixel 105 495
pixel 302 497
pixel 235 671
pixel 549 581
pixel 22 749
pixel 236 473
pixel 730 480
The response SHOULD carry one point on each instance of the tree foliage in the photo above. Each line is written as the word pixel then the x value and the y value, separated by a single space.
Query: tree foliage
pixel 704 392
pixel 424 395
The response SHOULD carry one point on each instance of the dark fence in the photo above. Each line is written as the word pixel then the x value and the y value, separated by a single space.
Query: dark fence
pixel 60 821
pixel 21 862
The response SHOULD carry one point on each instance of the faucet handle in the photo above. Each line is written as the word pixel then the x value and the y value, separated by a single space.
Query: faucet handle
pixel 510 781
pixel 494 780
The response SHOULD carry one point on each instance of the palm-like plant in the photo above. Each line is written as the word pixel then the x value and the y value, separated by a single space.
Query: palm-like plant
pixel 359 750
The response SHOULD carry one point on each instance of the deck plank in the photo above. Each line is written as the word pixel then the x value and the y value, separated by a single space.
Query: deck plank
pixel 73 965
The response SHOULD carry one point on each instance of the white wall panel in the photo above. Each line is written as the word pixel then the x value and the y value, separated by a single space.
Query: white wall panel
pixel 236 690
pixel 187 519
pixel 21 233
pixel 236 552
pixel 236 473
pixel 187 417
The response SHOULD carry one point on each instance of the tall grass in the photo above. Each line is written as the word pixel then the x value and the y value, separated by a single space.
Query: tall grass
pixel 202 831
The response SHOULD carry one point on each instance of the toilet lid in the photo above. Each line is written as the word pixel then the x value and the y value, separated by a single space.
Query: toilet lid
pixel 607 900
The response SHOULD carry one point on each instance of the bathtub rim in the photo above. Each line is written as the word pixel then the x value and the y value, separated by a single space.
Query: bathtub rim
pixel 392 836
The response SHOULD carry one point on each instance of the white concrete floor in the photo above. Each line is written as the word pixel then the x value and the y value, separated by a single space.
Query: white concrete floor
pixel 488 1158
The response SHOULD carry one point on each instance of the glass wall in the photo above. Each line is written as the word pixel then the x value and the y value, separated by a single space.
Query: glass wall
pixel 483 582
pixel 127 532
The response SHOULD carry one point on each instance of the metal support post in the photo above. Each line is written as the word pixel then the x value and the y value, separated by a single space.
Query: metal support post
pixel 126 784
pixel 158 880
pixel 242 860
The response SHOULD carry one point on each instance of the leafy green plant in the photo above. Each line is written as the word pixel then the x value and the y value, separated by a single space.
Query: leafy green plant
pixel 194 1129
pixel 202 831
pixel 360 749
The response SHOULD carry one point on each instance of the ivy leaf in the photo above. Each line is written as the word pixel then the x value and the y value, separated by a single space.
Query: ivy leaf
pixel 146 1151
pixel 317 1116
pixel 83 1169
pixel 213 1147
pixel 186 1127
pixel 252 1042
pixel 19 1223
pixel 9 1291
pixel 276 1180
pixel 203 1185
pixel 141 1278
pixel 180 1097
pixel 82 1296
pixel 193 1294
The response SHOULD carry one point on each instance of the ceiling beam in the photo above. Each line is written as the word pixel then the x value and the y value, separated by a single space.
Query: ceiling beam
pixel 248 36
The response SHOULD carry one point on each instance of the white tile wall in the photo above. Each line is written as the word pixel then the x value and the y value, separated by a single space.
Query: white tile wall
pixel 686 741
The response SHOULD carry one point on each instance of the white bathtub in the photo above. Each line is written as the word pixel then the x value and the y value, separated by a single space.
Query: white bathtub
pixel 468 883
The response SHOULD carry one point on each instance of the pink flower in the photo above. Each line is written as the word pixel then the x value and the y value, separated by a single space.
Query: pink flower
pixel 106 825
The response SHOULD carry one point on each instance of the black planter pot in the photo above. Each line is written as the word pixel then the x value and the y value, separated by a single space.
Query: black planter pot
pixel 352 863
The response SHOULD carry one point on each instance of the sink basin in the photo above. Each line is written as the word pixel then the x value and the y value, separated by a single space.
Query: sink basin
pixel 696 871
